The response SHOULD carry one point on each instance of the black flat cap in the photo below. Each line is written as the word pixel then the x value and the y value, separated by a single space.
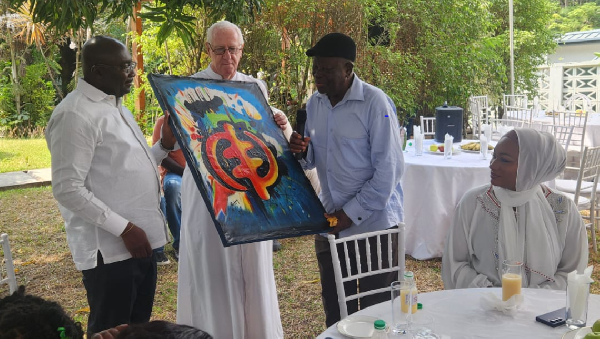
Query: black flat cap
pixel 334 45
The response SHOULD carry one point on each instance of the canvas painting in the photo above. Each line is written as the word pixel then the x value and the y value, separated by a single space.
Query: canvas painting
pixel 251 183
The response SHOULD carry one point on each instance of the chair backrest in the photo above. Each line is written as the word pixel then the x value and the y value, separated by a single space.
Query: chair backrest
pixel 342 277
pixel 428 125
pixel 10 277
pixel 501 126
pixel 562 133
pixel 578 101
pixel 480 112
pixel 579 121
pixel 589 171
pixel 519 113
pixel 516 100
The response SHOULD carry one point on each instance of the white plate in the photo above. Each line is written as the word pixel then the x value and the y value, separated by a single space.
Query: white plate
pixel 475 152
pixel 577 334
pixel 471 151
pixel 455 151
pixel 357 326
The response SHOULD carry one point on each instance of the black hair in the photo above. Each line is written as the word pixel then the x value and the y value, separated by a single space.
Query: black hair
pixel 31 317
pixel 159 329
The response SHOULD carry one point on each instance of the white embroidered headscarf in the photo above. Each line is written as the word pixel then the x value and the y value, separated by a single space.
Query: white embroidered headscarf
pixel 541 159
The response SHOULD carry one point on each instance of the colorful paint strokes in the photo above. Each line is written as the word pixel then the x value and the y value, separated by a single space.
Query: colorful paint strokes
pixel 253 186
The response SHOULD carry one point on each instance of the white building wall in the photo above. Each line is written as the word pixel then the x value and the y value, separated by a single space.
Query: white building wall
pixel 574 52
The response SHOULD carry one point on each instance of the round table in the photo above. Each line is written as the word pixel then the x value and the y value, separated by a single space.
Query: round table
pixel 457 314
pixel 432 187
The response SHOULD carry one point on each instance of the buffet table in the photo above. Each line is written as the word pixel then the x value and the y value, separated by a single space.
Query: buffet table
pixel 457 314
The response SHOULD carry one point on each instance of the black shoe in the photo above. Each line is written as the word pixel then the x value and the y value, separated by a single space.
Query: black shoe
pixel 161 258
pixel 276 245
pixel 176 255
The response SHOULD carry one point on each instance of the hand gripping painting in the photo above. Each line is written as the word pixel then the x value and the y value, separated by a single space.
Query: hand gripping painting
pixel 251 183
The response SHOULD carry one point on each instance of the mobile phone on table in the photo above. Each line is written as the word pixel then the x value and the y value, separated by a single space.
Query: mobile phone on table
pixel 554 318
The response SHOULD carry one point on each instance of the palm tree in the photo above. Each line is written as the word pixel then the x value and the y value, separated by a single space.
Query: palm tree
pixel 33 33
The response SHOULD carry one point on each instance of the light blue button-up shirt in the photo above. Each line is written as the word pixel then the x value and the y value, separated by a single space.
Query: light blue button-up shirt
pixel 356 148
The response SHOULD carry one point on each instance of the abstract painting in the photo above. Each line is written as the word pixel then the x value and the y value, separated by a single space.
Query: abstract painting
pixel 251 183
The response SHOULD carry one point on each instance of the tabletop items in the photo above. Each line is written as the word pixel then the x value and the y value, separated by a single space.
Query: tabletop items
pixel 578 291
pixel 458 314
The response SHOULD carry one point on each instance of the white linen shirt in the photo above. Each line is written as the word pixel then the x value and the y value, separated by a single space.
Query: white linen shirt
pixel 103 176
pixel 357 151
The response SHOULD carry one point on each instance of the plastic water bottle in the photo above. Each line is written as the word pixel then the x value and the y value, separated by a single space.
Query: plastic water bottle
pixel 408 275
pixel 380 330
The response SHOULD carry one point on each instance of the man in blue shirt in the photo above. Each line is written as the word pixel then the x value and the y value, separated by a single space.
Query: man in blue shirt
pixel 353 139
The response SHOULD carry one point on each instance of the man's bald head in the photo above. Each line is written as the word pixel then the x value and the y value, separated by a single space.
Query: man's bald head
pixel 107 65
pixel 100 50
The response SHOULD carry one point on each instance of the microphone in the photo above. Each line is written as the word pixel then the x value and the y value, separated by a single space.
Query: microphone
pixel 300 123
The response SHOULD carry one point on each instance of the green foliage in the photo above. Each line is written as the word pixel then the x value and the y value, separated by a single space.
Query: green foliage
pixel 576 18
pixel 37 100
pixel 68 15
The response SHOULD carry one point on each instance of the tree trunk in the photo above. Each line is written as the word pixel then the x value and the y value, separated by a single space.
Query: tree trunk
pixel 168 58
pixel 14 74
pixel 50 72
pixel 67 65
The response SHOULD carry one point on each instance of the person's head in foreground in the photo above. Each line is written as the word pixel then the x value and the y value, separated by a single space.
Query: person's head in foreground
pixel 107 65
pixel 30 317
pixel 161 330
pixel 333 65
pixel 517 219
pixel 224 45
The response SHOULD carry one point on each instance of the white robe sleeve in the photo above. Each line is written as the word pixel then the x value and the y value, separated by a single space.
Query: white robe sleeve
pixel 457 270
pixel 575 248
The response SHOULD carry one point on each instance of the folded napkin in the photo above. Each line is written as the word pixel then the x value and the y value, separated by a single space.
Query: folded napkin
pixel 448 141
pixel 483 146
pixel 577 291
pixel 490 302
pixel 416 130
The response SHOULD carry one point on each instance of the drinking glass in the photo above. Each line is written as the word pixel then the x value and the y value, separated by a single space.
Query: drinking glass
pixel 577 304
pixel 511 278
pixel 483 147
pixel 421 325
pixel 418 145
pixel 402 308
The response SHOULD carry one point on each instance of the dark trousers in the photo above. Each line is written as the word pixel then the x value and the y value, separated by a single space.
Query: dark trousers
pixel 119 293
pixel 328 290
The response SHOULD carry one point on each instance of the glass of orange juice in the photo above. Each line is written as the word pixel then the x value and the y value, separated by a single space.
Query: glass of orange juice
pixel 511 278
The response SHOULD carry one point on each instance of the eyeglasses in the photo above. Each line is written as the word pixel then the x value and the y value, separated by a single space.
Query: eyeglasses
pixel 126 67
pixel 221 50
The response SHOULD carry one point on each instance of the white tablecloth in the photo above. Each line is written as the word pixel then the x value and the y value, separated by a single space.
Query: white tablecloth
pixel 432 187
pixel 457 314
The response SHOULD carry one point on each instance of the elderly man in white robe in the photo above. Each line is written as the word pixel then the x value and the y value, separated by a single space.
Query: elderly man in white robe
pixel 517 218
pixel 227 292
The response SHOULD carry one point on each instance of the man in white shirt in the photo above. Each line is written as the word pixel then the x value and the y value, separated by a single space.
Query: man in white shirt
pixel 228 292
pixel 105 179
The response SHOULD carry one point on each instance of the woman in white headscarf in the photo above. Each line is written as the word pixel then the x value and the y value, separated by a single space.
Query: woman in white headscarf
pixel 517 218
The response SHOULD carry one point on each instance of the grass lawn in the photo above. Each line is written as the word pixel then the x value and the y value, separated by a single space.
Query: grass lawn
pixel 44 264
pixel 23 154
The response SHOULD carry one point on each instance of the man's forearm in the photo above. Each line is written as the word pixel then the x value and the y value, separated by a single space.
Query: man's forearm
pixel 172 166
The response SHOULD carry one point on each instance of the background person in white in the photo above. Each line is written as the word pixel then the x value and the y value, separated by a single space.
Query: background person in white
pixel 105 179
pixel 354 139
pixel 228 292
pixel 517 218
